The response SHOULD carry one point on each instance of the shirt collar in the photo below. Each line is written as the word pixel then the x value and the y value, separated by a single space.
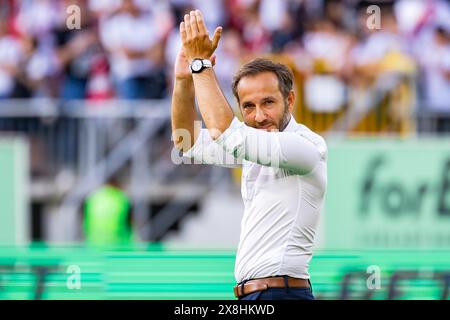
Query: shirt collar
pixel 292 125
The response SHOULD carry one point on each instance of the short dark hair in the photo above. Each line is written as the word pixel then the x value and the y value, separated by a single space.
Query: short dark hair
pixel 257 66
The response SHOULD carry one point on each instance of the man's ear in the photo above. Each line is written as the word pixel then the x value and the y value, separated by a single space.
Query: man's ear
pixel 291 101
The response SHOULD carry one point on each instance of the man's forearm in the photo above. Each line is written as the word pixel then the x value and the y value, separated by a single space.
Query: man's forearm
pixel 214 108
pixel 183 114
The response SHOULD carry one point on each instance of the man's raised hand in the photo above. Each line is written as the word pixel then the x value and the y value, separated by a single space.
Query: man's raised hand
pixel 195 37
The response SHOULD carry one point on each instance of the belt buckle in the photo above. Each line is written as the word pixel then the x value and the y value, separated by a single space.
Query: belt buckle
pixel 236 290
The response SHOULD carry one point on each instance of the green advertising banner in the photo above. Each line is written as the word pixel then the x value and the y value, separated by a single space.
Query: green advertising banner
pixel 148 271
pixel 389 193
pixel 14 180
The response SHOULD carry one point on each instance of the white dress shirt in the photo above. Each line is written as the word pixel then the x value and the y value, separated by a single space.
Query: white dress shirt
pixel 284 179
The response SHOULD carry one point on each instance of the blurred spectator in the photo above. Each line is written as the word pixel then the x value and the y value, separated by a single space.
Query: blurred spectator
pixel 374 45
pixel 134 40
pixel 107 216
pixel 76 50
pixel 229 58
pixel 273 14
pixel 11 54
pixel 254 34
pixel 173 44
pixel 327 46
pixel 285 33
pixel 40 69
pixel 99 86
pixel 412 15
pixel 213 11
pixel 338 13
pixel 104 8
pixel 38 17
pixel 180 8
pixel 126 48
pixel 435 61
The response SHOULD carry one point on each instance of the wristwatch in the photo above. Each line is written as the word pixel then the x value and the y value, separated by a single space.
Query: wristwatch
pixel 198 65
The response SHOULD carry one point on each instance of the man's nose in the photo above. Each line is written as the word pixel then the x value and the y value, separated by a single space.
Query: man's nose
pixel 260 115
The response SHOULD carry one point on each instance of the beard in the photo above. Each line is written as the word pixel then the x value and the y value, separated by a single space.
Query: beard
pixel 284 121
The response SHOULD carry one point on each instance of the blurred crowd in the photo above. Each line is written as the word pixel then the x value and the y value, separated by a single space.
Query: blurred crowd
pixel 126 48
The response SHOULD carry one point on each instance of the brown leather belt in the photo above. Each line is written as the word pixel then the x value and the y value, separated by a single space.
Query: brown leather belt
pixel 265 283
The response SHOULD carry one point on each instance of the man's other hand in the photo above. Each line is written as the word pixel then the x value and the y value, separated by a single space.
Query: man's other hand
pixel 195 37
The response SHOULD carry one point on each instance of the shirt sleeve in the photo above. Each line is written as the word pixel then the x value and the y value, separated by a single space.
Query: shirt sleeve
pixel 206 151
pixel 299 151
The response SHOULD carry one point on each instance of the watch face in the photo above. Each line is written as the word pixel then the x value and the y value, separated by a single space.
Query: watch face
pixel 197 65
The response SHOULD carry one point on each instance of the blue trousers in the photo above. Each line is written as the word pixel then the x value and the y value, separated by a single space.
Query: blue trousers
pixel 281 294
